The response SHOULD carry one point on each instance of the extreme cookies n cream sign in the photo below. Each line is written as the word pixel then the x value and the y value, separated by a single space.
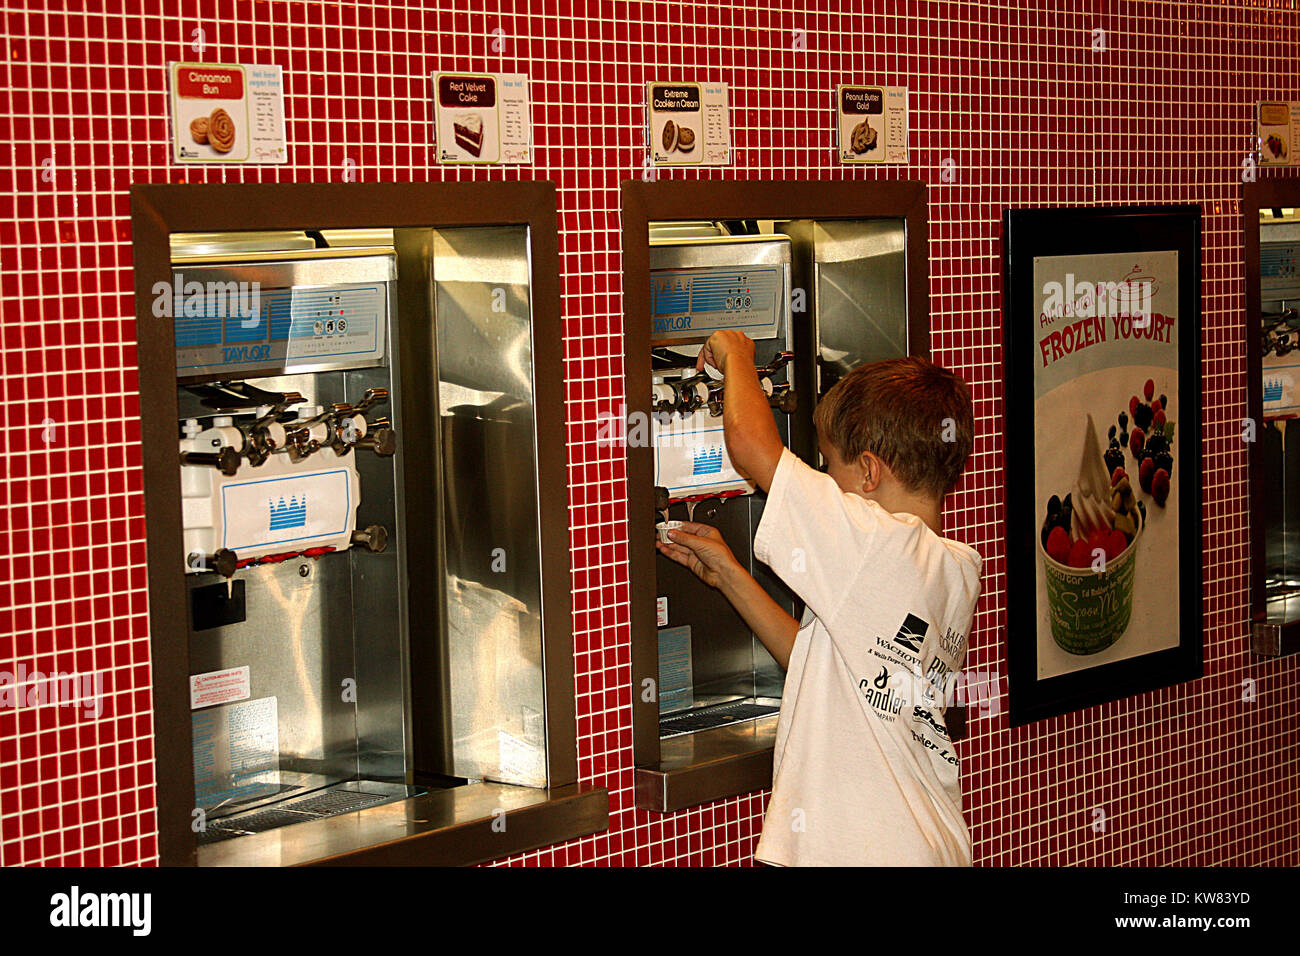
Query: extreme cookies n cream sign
pixel 689 124
pixel 872 123
pixel 227 113
pixel 482 119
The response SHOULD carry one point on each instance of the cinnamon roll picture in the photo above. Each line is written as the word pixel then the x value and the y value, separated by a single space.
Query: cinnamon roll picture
pixel 221 131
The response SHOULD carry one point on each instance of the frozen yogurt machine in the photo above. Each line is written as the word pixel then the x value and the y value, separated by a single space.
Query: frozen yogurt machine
pixel 819 291
pixel 354 554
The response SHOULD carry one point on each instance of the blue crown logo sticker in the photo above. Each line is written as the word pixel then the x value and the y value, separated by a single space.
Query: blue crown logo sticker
pixel 291 515
pixel 708 461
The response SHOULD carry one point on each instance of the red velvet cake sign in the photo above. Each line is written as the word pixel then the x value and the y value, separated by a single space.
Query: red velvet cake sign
pixel 482 119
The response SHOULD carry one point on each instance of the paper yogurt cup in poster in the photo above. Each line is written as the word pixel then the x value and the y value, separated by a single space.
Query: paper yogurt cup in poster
pixel 1106 450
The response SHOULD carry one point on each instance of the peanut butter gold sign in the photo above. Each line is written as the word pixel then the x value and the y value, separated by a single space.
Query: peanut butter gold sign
pixel 871 123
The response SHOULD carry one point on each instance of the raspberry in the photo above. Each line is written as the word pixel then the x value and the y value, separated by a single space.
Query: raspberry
pixel 1149 389
pixel 1116 475
pixel 1080 555
pixel 1058 545
pixel 1160 487
pixel 1133 404
pixel 1136 439
pixel 1157 405
pixel 1145 471
pixel 1115 544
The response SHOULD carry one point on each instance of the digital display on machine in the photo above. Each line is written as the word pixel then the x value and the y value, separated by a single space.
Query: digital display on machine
pixel 220 330
pixel 694 303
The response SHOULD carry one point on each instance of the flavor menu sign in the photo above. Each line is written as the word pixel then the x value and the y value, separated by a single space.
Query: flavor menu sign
pixel 1105 349
pixel 227 113
pixel 482 119
pixel 1278 127
pixel 689 124
pixel 871 122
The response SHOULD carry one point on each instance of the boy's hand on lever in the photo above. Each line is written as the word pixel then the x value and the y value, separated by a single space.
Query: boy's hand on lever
pixel 724 344
pixel 701 548
pixel 753 442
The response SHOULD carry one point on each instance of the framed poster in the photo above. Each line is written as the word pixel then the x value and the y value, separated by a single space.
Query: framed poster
pixel 1103 454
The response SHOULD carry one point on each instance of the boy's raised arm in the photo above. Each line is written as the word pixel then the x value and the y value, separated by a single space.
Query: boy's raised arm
pixel 752 439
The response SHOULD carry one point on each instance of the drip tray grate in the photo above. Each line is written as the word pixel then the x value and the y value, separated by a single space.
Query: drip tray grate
pixel 313 806
pixel 718 715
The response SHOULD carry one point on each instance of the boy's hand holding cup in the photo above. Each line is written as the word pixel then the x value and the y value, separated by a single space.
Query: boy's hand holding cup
pixel 701 548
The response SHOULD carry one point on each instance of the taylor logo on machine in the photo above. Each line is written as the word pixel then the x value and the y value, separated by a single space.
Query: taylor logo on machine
pixel 912 634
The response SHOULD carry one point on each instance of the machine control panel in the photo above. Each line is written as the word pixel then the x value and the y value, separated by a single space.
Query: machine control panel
pixel 695 303
pixel 285 328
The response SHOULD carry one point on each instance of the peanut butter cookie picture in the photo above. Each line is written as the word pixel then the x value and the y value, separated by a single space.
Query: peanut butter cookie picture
pixel 221 131
pixel 862 139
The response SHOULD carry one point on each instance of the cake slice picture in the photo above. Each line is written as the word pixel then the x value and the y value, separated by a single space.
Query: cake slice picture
pixel 468 130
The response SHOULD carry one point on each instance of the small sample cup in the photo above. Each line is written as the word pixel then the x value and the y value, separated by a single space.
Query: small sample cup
pixel 663 527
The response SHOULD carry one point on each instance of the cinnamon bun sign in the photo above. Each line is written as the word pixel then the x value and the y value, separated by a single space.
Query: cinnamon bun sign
pixel 227 113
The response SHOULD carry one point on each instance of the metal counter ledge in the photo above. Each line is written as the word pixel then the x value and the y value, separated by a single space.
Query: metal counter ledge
pixel 708 765
pixel 441 828
pixel 1276 632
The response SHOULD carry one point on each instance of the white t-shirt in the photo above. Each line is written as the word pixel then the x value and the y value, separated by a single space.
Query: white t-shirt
pixel 864 773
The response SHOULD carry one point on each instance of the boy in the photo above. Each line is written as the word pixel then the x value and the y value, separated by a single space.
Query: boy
pixel 864 772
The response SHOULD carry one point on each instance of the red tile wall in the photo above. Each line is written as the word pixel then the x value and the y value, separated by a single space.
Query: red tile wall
pixel 1011 105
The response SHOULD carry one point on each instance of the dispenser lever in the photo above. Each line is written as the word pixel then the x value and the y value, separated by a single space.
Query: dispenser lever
pixel 374 538
pixel 225 461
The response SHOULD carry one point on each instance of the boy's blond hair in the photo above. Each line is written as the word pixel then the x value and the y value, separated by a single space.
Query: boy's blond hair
pixel 914 415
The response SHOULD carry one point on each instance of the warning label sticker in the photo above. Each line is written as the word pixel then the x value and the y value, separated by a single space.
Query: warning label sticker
pixel 219 687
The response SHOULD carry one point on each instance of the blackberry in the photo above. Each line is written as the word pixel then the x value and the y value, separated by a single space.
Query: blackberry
pixel 1142 416
pixel 1114 457
pixel 1157 442
pixel 1166 461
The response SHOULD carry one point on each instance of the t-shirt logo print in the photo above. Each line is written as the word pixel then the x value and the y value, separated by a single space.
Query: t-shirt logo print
pixel 912 633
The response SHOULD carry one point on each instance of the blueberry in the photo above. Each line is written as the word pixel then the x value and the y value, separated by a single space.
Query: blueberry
pixel 1111 433
pixel 1123 439
pixel 1053 506
pixel 1123 420
pixel 1164 403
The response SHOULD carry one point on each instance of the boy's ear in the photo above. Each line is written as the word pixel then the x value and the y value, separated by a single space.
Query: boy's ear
pixel 873 471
